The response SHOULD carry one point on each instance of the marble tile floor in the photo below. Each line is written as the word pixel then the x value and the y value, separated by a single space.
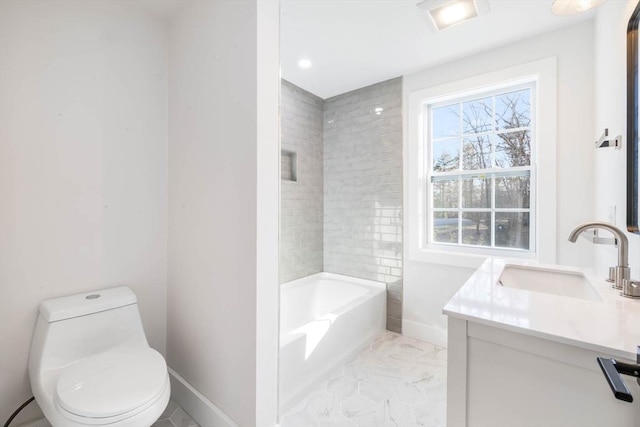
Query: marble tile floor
pixel 175 416
pixel 396 382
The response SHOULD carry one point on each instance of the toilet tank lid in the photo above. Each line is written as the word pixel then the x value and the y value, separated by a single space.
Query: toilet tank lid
pixel 77 305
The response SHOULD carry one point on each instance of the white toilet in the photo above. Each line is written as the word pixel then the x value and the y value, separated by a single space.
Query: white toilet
pixel 90 363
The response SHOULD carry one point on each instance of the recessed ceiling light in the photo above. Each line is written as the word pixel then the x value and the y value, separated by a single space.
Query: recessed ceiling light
pixel 450 14
pixel 304 63
pixel 571 7
pixel 447 13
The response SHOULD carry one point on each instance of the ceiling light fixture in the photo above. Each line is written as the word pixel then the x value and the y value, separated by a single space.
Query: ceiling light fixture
pixel 304 63
pixel 572 7
pixel 445 13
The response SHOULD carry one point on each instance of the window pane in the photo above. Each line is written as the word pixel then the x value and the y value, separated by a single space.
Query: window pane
pixel 513 192
pixel 468 139
pixel 476 228
pixel 513 110
pixel 512 230
pixel 446 121
pixel 446 155
pixel 476 153
pixel 445 194
pixel 476 193
pixel 513 149
pixel 445 227
pixel 476 115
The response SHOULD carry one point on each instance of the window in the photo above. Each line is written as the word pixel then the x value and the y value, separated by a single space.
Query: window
pixel 498 201
pixel 480 169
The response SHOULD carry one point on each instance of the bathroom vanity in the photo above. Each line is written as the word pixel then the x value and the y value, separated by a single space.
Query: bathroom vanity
pixel 523 342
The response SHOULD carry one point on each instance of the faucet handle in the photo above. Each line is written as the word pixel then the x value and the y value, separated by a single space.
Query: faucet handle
pixel 630 288
pixel 620 275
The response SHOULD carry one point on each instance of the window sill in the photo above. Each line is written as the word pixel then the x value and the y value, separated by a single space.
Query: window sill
pixel 463 258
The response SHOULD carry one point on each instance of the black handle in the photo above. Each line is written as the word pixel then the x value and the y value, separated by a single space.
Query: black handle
pixel 610 369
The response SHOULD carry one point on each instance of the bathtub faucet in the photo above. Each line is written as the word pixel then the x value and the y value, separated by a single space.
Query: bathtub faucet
pixel 621 272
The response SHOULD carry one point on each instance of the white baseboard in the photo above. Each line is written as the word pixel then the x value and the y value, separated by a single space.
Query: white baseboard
pixel 195 404
pixel 420 331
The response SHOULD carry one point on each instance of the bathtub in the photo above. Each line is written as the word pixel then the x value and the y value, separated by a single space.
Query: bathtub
pixel 325 320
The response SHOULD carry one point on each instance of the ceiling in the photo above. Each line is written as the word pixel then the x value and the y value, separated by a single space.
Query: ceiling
pixel 355 43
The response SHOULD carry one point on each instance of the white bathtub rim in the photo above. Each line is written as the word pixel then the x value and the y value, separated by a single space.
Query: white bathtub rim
pixel 293 334
pixel 374 288
pixel 287 336
pixel 333 276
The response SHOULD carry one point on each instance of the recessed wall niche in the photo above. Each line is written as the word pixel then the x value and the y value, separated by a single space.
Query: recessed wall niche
pixel 288 165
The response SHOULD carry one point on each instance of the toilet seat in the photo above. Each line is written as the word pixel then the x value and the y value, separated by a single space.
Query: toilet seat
pixel 111 386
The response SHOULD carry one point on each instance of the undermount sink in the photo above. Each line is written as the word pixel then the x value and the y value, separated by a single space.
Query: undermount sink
pixel 549 281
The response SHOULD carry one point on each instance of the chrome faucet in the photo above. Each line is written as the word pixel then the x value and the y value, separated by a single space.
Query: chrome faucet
pixel 622 272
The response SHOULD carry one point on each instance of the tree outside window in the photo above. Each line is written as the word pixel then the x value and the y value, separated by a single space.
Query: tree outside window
pixel 480 158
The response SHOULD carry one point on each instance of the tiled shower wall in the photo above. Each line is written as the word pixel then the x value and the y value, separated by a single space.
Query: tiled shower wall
pixel 344 213
pixel 363 188
pixel 301 209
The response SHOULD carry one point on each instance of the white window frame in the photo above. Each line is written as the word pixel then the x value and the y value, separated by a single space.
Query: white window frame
pixel 543 248
pixel 491 174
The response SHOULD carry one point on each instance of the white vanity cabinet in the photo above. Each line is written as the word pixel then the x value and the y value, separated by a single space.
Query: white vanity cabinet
pixel 520 358
pixel 499 378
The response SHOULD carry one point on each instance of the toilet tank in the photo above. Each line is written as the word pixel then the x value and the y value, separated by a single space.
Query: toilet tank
pixel 79 326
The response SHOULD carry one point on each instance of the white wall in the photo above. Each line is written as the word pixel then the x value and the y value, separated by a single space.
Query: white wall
pixel 610 112
pixel 268 177
pixel 223 284
pixel 83 166
pixel 428 286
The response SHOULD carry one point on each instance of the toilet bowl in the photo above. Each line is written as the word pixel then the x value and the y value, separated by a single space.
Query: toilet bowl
pixel 90 363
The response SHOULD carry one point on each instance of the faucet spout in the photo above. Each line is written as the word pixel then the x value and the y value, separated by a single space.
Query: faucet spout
pixel 623 242
pixel 621 273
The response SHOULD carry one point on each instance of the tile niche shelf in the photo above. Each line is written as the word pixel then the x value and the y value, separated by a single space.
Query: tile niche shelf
pixel 288 165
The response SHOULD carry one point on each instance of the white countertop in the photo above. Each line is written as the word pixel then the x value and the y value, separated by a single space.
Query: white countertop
pixel 610 326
